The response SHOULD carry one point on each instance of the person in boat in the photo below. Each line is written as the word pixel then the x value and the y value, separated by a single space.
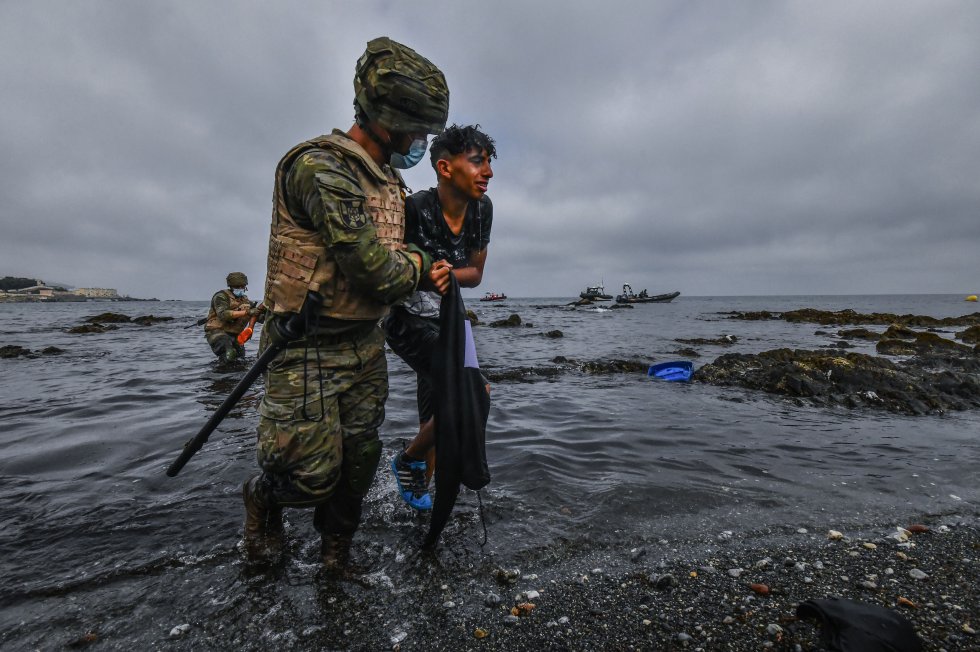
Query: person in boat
pixel 229 313
pixel 451 223
pixel 338 233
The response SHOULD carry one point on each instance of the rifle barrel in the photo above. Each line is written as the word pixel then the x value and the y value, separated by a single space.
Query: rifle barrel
pixel 194 444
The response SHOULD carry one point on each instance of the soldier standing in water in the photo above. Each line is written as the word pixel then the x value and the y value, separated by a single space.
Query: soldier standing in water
pixel 337 231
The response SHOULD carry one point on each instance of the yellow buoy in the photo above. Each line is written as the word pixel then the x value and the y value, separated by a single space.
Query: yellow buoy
pixel 972 297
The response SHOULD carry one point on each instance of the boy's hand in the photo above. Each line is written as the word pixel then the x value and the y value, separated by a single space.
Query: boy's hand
pixel 439 276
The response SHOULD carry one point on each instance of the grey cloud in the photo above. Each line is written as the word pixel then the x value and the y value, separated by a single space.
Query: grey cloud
pixel 713 148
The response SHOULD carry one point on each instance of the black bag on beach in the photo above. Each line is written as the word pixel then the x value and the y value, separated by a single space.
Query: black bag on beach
pixel 850 626
pixel 461 411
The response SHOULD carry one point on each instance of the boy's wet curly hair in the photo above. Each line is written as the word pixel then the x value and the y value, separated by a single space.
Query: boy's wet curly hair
pixel 456 140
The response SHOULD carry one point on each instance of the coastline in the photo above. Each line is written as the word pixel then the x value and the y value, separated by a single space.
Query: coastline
pixel 661 596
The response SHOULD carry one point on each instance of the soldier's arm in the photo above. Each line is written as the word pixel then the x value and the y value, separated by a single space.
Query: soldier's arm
pixel 222 307
pixel 335 204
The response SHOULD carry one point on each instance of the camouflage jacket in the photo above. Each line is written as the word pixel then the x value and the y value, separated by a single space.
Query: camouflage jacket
pixel 355 208
pixel 219 316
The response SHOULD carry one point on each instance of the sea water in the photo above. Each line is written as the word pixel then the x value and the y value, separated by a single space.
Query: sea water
pixel 97 541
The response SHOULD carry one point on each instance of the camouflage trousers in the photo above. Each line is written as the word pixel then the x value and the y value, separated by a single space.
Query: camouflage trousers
pixel 318 422
pixel 222 343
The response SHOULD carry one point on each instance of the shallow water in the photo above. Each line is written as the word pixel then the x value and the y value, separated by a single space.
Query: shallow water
pixel 96 538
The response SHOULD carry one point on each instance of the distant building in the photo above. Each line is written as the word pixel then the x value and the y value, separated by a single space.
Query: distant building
pixel 97 293
pixel 43 291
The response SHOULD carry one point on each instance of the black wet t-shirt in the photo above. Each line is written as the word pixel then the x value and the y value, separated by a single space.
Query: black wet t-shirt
pixel 426 227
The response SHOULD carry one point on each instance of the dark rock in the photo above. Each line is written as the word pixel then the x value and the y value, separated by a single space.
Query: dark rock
pixel 724 340
pixel 474 320
pixel 521 374
pixel 92 328
pixel 506 575
pixel 970 335
pixel 662 582
pixel 898 332
pixel 510 322
pixel 554 334
pixel 621 306
pixel 52 350
pixel 563 365
pixel 687 353
pixel 923 344
pixel 149 320
pixel 857 334
pixel 758 315
pixel 850 317
pixel 854 379
pixel 13 351
pixel 108 318
pixel 614 366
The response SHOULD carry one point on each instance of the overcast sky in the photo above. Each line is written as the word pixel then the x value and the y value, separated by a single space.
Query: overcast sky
pixel 715 148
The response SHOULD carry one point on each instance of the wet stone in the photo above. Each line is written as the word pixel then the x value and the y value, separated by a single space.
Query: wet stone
pixel 149 320
pixel 179 630
pixel 12 351
pixel 108 318
pixel 92 328
pixel 859 380
pixel 512 321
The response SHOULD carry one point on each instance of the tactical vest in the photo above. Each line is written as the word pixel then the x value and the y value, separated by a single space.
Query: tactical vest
pixel 231 327
pixel 298 258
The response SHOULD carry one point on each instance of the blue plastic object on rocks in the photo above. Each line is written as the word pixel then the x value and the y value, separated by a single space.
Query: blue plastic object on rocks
pixel 679 370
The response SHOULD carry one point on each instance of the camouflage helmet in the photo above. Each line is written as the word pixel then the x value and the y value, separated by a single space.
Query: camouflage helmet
pixel 400 89
pixel 236 280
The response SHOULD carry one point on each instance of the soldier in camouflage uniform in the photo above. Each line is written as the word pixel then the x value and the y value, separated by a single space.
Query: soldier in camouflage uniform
pixel 337 229
pixel 229 314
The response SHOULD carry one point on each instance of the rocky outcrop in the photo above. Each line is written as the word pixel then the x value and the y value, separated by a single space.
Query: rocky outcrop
pixel 561 365
pixel 87 329
pixel 108 318
pixel 511 322
pixel 149 320
pixel 107 321
pixel 938 379
pixel 13 351
pixel 851 317
pixel 970 335
pixel 723 340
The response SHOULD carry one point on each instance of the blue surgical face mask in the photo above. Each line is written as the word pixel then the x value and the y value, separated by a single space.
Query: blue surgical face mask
pixel 415 154
pixel 239 292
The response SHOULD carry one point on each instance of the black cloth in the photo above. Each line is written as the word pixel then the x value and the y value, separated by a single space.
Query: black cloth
pixel 462 409
pixel 850 626
pixel 426 227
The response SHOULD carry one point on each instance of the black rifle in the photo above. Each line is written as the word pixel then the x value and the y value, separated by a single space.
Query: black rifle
pixel 288 330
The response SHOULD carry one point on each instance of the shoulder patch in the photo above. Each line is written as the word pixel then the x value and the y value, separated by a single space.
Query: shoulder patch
pixel 352 214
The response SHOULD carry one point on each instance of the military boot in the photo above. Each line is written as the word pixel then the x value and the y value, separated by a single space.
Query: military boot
pixel 263 521
pixel 335 553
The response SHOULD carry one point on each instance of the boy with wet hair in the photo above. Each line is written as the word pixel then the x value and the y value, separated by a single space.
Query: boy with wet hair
pixel 451 223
